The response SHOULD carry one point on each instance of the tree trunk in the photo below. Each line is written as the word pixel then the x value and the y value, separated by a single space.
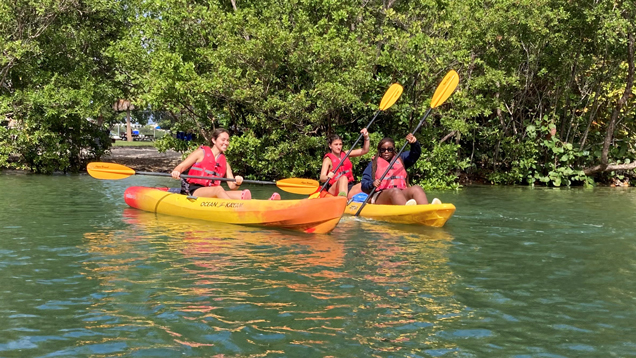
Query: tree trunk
pixel 609 137
pixel 129 137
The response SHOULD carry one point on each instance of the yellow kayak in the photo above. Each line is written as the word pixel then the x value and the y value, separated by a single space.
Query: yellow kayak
pixel 310 216
pixel 434 215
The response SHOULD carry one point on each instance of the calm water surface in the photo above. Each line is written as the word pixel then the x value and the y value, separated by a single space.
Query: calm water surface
pixel 517 272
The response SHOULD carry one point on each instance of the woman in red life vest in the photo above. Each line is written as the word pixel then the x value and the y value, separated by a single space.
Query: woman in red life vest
pixel 394 189
pixel 210 161
pixel 341 181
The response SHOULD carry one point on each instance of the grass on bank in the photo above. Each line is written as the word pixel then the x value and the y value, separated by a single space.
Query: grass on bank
pixel 122 143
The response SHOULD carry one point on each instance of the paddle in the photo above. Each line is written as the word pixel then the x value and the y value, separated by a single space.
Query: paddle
pixel 113 171
pixel 443 91
pixel 390 97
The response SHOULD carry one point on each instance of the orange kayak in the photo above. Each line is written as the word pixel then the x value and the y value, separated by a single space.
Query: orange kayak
pixel 310 216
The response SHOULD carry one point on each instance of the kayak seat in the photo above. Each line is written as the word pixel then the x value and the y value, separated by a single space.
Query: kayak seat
pixel 359 198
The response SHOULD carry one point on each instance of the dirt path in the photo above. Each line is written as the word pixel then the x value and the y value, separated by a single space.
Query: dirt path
pixel 144 158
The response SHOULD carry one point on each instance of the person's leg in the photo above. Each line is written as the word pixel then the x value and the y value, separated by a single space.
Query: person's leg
pixel 239 194
pixel 417 193
pixel 391 197
pixel 343 185
pixel 211 192
pixel 333 190
pixel 356 189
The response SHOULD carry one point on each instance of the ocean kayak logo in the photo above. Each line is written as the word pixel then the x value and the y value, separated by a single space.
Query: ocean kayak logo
pixel 217 204
pixel 131 196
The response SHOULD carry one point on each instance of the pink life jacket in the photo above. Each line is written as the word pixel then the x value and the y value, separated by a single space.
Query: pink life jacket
pixel 208 167
pixel 395 178
pixel 345 169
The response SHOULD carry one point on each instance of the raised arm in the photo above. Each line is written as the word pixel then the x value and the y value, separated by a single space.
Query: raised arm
pixel 409 158
pixel 365 145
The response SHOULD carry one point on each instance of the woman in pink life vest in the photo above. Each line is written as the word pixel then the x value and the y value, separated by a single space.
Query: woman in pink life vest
pixel 210 161
pixel 394 189
pixel 342 181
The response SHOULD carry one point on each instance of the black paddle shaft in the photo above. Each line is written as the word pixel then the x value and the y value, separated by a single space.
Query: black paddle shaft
pixel 351 149
pixel 207 178
pixel 392 162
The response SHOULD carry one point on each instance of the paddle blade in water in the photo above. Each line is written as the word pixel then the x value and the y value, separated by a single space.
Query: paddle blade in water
pixel 112 171
pixel 445 88
pixel 298 185
pixel 392 94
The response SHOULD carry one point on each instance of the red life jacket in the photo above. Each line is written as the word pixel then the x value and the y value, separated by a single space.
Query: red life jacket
pixel 208 167
pixel 345 169
pixel 395 178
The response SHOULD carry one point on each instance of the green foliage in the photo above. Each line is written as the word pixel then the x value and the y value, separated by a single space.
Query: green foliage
pixel 56 86
pixel 438 169
pixel 539 82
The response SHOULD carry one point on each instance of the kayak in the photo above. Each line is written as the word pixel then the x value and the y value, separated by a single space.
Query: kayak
pixel 310 216
pixel 434 215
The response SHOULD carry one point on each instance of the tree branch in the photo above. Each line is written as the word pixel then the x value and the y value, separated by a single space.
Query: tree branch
pixel 447 137
pixel 608 168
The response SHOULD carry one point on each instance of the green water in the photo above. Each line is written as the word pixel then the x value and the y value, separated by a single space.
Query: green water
pixel 516 272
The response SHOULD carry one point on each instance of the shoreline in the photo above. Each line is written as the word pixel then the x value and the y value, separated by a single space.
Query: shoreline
pixel 143 158
pixel 149 159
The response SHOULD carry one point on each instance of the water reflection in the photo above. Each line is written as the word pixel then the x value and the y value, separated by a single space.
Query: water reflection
pixel 235 289
pixel 411 301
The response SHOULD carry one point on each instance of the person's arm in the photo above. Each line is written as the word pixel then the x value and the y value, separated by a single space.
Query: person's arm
pixel 194 157
pixel 367 180
pixel 410 157
pixel 228 174
pixel 365 145
pixel 325 174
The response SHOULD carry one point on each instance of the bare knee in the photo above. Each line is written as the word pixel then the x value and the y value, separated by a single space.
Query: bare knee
pixel 356 189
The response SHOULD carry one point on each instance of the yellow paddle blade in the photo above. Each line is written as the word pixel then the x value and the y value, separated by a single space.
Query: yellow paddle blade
pixel 392 94
pixel 445 89
pixel 113 171
pixel 314 196
pixel 298 185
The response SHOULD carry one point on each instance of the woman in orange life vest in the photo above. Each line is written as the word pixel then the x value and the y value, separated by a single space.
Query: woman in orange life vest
pixel 394 189
pixel 342 181
pixel 206 161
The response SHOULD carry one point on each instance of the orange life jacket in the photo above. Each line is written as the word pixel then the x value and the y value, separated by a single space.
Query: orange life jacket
pixel 395 178
pixel 345 169
pixel 208 167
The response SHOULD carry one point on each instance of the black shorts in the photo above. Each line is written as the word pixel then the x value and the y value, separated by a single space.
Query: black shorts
pixel 351 184
pixel 188 189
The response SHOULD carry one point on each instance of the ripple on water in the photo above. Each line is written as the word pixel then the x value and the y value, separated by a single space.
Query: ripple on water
pixel 503 278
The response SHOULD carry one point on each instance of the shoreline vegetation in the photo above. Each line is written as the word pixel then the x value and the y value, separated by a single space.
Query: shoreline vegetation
pixel 545 97
pixel 147 158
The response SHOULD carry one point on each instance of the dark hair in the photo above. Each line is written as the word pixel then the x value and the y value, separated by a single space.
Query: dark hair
pixel 384 141
pixel 217 132
pixel 333 137
pixel 374 165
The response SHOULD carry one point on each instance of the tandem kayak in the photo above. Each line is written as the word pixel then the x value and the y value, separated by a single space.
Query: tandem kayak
pixel 310 216
pixel 434 215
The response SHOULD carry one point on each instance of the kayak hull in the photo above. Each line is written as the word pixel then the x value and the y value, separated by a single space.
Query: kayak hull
pixel 434 215
pixel 310 216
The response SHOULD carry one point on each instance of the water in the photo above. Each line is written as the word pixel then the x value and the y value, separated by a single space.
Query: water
pixel 517 271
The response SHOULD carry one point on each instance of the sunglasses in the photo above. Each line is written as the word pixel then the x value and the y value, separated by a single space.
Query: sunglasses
pixel 390 150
